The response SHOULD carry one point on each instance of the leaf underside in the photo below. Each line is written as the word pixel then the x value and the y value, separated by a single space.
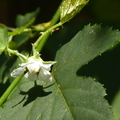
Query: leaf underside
pixel 71 97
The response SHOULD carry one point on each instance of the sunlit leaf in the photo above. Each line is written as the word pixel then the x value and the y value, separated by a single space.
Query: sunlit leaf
pixel 69 8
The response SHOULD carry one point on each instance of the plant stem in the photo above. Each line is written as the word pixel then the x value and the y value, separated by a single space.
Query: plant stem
pixel 10 89
pixel 43 38
pixel 15 52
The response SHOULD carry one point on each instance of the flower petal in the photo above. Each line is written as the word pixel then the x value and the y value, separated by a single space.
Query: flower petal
pixel 44 75
pixel 33 67
pixel 31 76
pixel 47 66
pixel 17 72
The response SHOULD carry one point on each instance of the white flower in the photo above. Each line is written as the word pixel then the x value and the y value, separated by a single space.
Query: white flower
pixel 36 69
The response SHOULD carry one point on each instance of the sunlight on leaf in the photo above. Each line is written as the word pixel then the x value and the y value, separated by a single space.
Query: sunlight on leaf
pixel 69 8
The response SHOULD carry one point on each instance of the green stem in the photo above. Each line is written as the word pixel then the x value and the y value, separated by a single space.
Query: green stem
pixel 10 89
pixel 43 38
pixel 55 18
pixel 15 52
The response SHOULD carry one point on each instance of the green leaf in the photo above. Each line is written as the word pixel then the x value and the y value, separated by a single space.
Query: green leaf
pixel 22 38
pixel 71 97
pixel 84 96
pixel 116 106
pixel 3 39
pixel 22 20
pixel 69 8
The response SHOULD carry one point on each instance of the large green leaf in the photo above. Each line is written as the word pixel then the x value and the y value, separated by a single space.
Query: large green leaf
pixel 69 8
pixel 71 97
pixel 84 96
pixel 3 39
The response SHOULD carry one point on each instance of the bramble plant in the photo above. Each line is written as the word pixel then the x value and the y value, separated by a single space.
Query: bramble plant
pixel 38 91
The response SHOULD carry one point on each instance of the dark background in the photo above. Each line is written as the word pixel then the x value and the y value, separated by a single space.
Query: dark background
pixel 106 68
